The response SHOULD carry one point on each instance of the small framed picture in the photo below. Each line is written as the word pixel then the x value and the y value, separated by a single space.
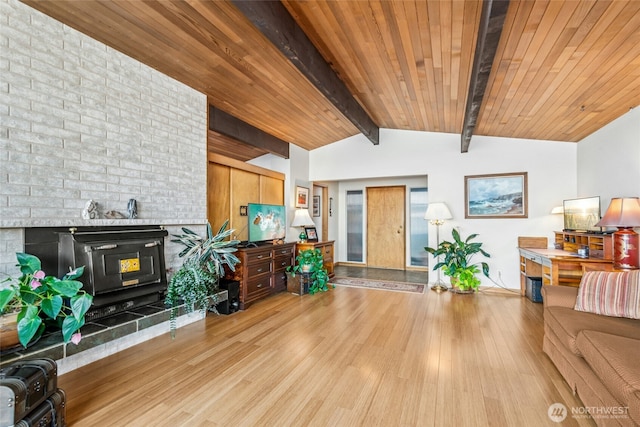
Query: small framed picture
pixel 302 197
pixel 316 206
pixel 312 234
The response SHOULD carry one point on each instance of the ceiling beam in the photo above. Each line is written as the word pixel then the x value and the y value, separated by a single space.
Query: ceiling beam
pixel 232 127
pixel 489 31
pixel 275 22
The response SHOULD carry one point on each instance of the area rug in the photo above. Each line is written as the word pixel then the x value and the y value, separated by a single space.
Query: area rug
pixel 379 284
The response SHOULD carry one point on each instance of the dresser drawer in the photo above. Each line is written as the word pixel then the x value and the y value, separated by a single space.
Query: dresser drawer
pixel 258 268
pixel 286 251
pixel 259 285
pixel 280 281
pixel 258 256
pixel 327 252
pixel 281 262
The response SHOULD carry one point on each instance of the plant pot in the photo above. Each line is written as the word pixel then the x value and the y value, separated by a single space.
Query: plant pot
pixel 9 331
pixel 296 284
pixel 455 288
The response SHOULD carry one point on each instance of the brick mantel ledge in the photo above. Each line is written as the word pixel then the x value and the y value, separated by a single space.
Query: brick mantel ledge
pixel 27 223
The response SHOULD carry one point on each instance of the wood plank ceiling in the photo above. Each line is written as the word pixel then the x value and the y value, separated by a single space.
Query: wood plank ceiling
pixel 563 69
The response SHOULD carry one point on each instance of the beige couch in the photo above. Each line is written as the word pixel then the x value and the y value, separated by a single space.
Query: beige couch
pixel 598 355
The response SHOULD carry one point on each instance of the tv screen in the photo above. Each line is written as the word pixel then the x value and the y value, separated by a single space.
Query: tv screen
pixel 582 214
pixel 266 222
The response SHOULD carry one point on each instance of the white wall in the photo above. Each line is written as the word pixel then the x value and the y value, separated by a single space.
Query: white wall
pixel 609 160
pixel 551 168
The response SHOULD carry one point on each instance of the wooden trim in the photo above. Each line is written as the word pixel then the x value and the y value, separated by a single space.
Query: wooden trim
pixel 325 213
pixel 237 164
pixel 277 25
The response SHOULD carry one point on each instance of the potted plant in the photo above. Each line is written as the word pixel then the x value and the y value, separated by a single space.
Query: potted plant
pixel 311 261
pixel 457 261
pixel 35 297
pixel 196 281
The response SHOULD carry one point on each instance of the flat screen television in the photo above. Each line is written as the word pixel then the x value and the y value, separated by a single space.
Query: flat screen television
pixel 266 222
pixel 582 214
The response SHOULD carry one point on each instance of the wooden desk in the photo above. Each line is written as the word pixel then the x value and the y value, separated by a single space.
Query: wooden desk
pixel 554 266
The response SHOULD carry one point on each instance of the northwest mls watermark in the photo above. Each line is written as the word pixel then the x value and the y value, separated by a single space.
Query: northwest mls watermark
pixel 558 412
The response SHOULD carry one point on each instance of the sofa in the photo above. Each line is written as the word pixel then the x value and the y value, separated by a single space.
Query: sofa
pixel 592 335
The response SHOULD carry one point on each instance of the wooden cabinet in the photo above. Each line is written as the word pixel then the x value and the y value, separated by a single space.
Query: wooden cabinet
pixel 327 252
pixel 261 271
pixel 231 184
pixel 600 245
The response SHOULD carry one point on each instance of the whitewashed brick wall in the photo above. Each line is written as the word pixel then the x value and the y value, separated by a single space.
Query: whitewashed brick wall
pixel 80 121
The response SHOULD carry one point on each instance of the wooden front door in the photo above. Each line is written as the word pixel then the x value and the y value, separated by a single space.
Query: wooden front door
pixel 386 227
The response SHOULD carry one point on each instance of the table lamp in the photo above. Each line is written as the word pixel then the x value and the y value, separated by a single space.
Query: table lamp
pixel 436 213
pixel 302 219
pixel 624 213
pixel 557 210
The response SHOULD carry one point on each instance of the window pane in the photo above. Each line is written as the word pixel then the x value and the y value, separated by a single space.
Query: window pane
pixel 419 227
pixel 354 225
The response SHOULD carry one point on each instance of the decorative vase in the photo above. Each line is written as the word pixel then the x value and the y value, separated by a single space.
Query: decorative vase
pixel 9 330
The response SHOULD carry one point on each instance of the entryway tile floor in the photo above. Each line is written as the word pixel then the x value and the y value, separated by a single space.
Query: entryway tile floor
pixel 382 274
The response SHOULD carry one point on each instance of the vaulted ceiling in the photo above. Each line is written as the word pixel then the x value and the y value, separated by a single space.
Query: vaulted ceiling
pixel 562 69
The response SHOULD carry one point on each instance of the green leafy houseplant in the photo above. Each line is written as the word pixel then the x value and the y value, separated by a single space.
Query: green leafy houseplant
pixel 311 261
pixel 38 297
pixel 456 262
pixel 196 281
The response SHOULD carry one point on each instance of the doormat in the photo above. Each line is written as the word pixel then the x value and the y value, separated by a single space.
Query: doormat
pixel 379 284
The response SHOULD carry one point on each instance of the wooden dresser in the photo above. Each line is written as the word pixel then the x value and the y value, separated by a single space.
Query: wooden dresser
pixel 327 252
pixel 261 271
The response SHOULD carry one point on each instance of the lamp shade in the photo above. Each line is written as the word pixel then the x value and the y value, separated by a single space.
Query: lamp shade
pixel 557 210
pixel 302 218
pixel 437 211
pixel 622 212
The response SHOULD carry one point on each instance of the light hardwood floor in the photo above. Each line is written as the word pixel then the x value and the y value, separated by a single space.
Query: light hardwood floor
pixel 348 357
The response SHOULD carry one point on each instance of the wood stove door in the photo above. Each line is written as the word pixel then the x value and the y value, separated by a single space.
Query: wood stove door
pixel 129 263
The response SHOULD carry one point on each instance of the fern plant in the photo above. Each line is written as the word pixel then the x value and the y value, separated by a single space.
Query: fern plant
pixel 196 282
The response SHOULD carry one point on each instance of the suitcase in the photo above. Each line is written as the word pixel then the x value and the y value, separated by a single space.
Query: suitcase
pixel 23 386
pixel 50 413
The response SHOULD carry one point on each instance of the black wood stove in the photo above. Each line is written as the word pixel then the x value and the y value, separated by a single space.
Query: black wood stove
pixel 124 266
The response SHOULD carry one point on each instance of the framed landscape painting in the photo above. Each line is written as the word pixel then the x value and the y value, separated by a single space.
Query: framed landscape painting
pixel 500 195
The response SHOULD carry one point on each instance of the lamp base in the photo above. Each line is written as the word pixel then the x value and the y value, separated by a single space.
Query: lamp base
pixel 439 287
pixel 625 249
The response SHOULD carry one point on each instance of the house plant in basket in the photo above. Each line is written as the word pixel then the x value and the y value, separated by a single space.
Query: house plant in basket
pixel 310 261
pixel 196 281
pixel 35 298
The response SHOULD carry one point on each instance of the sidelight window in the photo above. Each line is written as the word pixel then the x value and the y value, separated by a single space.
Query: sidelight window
pixel 418 226
pixel 355 235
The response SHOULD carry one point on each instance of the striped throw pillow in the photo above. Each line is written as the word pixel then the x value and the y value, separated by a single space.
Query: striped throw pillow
pixel 615 294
